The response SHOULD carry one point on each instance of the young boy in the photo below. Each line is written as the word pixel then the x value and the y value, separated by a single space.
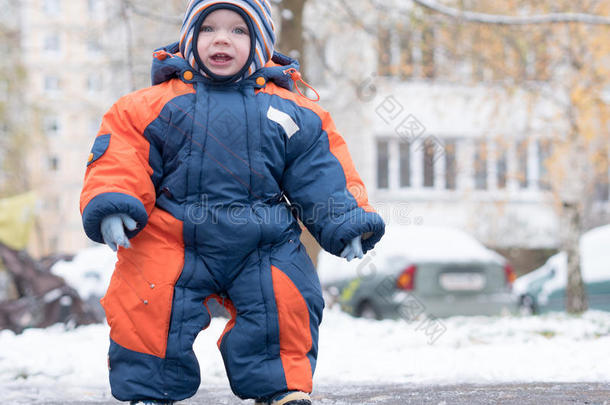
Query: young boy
pixel 198 181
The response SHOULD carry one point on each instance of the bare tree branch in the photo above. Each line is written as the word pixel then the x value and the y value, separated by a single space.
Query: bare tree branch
pixel 355 19
pixel 483 18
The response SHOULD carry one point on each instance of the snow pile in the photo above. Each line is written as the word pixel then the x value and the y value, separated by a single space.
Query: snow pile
pixel 403 244
pixel 89 272
pixel 55 363
pixel 552 348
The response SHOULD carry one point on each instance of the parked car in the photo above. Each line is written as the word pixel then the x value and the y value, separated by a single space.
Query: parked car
pixel 416 270
pixel 544 289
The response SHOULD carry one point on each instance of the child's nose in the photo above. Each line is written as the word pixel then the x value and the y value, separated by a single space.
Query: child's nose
pixel 221 38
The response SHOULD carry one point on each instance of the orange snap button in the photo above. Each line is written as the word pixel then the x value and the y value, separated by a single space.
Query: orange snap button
pixel 90 157
pixel 188 75
pixel 260 81
pixel 160 55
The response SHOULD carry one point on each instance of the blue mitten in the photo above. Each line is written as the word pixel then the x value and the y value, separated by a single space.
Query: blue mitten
pixel 113 231
pixel 353 249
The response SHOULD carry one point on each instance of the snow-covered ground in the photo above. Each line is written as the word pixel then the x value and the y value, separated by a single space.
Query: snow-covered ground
pixel 56 363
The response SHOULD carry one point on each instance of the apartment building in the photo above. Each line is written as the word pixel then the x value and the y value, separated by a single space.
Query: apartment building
pixel 65 94
pixel 11 99
pixel 437 133
pixel 78 57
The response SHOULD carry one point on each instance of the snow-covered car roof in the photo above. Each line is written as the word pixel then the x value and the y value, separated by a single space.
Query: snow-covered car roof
pixel 404 244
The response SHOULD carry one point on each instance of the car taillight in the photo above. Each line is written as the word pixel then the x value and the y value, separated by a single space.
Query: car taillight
pixel 510 274
pixel 406 279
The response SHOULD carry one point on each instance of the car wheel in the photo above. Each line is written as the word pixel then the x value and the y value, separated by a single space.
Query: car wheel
pixel 367 311
pixel 527 305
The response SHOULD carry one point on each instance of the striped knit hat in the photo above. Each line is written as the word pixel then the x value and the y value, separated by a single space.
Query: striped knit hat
pixel 257 14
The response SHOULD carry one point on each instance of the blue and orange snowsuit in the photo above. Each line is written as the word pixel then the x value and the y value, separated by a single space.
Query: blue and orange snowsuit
pixel 216 177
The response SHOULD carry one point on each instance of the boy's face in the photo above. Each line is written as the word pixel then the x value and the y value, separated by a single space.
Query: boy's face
pixel 224 42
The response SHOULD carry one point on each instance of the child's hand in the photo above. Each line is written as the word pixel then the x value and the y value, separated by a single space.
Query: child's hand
pixel 113 231
pixel 353 249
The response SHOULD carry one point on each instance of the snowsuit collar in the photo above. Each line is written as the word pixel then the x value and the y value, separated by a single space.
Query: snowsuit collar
pixel 168 63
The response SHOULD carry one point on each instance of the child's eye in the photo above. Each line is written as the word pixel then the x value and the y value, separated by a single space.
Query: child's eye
pixel 241 31
pixel 206 28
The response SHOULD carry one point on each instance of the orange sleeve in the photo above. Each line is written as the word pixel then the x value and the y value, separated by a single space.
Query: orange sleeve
pixel 123 161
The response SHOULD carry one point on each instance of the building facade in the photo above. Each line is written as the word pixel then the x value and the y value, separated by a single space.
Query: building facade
pixel 441 136
pixel 78 57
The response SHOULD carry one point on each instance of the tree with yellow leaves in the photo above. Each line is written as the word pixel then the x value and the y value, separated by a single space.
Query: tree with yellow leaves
pixel 557 51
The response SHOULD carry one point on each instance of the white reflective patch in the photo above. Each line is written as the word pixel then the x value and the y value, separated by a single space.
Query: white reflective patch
pixel 285 120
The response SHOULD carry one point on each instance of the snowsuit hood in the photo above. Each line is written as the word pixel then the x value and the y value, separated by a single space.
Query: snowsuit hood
pixel 168 63
pixel 256 14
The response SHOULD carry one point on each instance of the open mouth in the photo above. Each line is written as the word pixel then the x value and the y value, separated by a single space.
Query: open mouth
pixel 221 58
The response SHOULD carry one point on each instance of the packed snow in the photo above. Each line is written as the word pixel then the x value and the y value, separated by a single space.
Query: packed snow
pixel 62 363
pixel 57 363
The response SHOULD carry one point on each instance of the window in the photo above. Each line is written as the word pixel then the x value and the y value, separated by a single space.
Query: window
pixel 522 164
pixel 51 84
pixel 51 7
pixel 94 83
pixel 480 166
pixel 405 49
pixel 94 7
pixel 51 126
pixel 405 165
pixel 450 166
pixel 429 158
pixel 544 153
pixel 53 163
pixel 404 151
pixel 501 167
pixel 51 43
pixel 383 167
pixel 94 46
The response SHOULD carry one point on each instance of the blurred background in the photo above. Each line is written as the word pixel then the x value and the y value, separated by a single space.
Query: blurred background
pixel 482 138
pixel 481 130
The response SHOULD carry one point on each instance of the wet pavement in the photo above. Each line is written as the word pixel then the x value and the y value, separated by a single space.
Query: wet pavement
pixel 505 394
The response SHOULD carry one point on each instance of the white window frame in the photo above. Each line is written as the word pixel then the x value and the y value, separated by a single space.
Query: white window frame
pixel 51 43
pixel 51 125
pixel 51 85
pixel 94 83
